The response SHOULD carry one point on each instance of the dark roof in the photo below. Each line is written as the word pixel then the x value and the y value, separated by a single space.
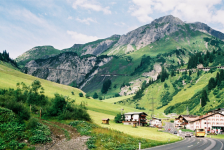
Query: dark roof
pixel 106 119
pixel 135 113
pixel 205 116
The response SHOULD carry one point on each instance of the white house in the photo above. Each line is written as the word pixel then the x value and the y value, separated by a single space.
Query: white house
pixel 155 122
pixel 183 120
pixel 212 121
pixel 135 117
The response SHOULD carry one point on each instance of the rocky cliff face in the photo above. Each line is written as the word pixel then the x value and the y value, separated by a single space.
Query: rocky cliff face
pixel 205 28
pixel 149 33
pixel 99 48
pixel 65 68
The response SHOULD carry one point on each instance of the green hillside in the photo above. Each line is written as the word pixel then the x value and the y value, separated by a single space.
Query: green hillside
pixel 9 77
pixel 168 52
pixel 36 53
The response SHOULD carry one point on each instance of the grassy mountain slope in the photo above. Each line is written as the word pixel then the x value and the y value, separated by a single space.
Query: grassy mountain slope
pixel 165 52
pixel 36 53
pixel 10 77
pixel 97 109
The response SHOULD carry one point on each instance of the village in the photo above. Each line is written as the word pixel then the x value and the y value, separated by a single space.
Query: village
pixel 211 122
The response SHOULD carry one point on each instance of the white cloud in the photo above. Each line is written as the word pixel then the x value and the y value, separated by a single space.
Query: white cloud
pixel 86 21
pixel 141 10
pixel 90 4
pixel 81 38
pixel 189 10
pixel 113 3
pixel 70 18
pixel 121 24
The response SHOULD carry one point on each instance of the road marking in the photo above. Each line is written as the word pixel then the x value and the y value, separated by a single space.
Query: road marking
pixel 213 143
pixel 190 145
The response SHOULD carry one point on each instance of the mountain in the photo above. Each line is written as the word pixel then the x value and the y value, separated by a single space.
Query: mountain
pixel 66 68
pixel 140 55
pixel 36 53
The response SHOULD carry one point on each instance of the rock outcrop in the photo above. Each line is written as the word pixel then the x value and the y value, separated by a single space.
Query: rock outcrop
pixel 65 68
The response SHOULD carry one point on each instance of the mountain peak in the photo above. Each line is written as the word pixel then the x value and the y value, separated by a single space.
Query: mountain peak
pixel 168 19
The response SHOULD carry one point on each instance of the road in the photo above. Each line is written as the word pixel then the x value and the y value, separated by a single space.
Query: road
pixel 193 144
pixel 190 143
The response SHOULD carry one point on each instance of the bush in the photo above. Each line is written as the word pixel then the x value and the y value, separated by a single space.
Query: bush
pixel 80 94
pixel 87 96
pixel 95 95
pixel 119 118
pixel 117 95
pixel 40 134
pixel 58 105
pixel 32 123
pixel 19 109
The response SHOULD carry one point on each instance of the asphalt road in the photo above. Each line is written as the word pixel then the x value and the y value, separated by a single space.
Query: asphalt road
pixel 190 143
pixel 193 144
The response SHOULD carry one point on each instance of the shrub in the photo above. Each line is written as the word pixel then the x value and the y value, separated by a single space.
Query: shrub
pixel 117 95
pixel 95 95
pixel 58 105
pixel 87 96
pixel 18 108
pixel 80 94
pixel 119 118
pixel 32 123
pixel 40 134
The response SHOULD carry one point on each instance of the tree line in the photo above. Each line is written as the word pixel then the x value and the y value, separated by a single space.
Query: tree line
pixel 31 99
pixel 5 57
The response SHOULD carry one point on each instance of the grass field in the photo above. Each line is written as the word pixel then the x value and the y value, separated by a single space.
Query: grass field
pixel 97 109
pixel 143 132
pixel 218 136
pixel 116 99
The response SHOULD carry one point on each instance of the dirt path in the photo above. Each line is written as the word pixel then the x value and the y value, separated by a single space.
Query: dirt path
pixel 64 137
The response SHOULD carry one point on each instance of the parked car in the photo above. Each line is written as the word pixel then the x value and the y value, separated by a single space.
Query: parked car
pixel 175 132
pixel 187 134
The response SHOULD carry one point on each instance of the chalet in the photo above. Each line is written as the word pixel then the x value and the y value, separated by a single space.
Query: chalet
pixel 183 120
pixel 155 122
pixel 135 117
pixel 211 121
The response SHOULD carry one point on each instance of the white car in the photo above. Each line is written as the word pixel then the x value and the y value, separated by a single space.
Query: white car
pixel 187 134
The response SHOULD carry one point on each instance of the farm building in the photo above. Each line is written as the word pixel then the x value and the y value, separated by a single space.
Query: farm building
pixel 105 121
pixel 135 117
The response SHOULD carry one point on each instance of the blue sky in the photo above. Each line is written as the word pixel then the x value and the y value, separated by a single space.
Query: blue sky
pixel 25 24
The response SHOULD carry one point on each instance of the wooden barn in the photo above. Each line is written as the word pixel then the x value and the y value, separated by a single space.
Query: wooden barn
pixel 105 121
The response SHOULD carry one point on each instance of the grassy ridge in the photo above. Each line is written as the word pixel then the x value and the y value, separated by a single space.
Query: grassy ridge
pixel 9 78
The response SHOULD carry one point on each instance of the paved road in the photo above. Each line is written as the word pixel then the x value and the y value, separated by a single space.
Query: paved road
pixel 190 143
pixel 193 144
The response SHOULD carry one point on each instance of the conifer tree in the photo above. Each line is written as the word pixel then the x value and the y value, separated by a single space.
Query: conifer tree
pixel 204 98
pixel 95 95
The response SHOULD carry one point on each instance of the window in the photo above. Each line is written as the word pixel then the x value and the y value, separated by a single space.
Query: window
pixel 217 119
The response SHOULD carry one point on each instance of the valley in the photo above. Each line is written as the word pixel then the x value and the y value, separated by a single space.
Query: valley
pixel 156 68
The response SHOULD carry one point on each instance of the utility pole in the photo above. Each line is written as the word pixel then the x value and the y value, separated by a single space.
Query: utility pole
pixel 152 103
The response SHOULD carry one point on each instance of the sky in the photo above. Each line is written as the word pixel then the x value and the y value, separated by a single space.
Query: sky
pixel 25 24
